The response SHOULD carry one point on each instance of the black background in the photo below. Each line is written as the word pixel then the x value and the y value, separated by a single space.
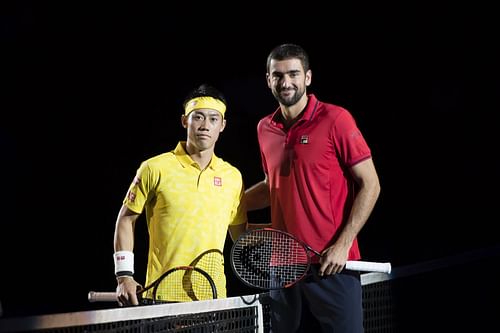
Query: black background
pixel 92 89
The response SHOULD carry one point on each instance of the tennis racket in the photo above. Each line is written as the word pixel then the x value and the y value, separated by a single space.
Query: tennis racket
pixel 209 264
pixel 179 284
pixel 212 262
pixel 268 258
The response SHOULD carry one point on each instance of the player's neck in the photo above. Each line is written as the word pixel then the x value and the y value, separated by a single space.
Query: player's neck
pixel 201 157
pixel 294 112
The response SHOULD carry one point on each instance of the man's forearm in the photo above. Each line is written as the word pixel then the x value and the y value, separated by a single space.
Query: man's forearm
pixel 257 196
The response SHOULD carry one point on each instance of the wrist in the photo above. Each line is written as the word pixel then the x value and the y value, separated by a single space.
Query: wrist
pixel 123 278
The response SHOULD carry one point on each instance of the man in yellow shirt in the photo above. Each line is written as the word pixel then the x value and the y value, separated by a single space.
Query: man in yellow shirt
pixel 190 198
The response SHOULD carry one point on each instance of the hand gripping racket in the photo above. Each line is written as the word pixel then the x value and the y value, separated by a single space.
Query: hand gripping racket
pixel 197 281
pixel 272 259
pixel 179 284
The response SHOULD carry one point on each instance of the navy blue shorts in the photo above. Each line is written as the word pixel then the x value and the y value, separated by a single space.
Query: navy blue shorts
pixel 319 304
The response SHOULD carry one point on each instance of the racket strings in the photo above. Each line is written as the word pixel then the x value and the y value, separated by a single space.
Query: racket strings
pixel 269 260
pixel 290 260
pixel 212 262
pixel 182 285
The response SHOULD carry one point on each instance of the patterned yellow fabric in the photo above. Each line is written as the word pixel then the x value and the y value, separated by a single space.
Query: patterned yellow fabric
pixel 188 211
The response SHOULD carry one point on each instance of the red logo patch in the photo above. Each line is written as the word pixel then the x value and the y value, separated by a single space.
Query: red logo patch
pixel 217 181
pixel 131 196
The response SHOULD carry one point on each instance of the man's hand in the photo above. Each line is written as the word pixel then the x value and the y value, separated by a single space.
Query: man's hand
pixel 126 291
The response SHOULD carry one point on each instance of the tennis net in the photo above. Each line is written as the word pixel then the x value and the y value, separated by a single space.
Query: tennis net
pixel 410 299
pixel 234 314
pixel 249 313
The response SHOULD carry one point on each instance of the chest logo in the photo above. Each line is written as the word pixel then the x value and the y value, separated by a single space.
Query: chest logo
pixel 304 139
pixel 217 181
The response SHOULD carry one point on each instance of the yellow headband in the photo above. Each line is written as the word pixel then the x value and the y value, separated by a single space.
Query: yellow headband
pixel 205 103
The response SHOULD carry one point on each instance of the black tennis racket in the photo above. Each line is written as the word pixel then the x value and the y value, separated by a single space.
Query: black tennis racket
pixel 212 262
pixel 272 259
pixel 207 267
pixel 179 284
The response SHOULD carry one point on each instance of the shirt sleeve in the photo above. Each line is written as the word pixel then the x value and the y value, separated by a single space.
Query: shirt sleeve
pixel 137 194
pixel 239 211
pixel 349 140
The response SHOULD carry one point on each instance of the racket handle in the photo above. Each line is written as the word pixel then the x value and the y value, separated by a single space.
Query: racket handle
pixel 368 266
pixel 98 296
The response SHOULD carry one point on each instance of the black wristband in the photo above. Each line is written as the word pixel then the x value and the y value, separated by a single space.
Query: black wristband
pixel 124 273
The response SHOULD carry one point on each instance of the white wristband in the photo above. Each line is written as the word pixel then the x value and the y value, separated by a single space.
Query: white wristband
pixel 124 262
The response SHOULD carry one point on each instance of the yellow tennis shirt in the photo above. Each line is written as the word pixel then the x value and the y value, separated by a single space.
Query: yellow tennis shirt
pixel 188 211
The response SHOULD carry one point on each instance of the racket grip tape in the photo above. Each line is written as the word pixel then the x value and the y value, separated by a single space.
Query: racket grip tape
pixel 368 266
pixel 98 296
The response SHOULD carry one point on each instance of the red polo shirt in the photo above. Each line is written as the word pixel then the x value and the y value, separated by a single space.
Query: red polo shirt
pixel 308 171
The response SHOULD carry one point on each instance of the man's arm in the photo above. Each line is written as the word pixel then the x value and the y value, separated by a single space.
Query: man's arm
pixel 124 241
pixel 124 230
pixel 258 197
pixel 365 175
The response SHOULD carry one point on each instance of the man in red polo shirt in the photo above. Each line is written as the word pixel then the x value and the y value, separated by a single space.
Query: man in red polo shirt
pixel 321 184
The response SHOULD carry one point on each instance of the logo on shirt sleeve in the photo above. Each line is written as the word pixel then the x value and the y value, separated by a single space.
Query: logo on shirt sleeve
pixel 131 196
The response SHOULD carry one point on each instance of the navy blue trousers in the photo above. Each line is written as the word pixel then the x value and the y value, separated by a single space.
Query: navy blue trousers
pixel 319 304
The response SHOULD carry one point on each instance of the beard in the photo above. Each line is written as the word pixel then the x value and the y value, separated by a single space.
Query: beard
pixel 288 100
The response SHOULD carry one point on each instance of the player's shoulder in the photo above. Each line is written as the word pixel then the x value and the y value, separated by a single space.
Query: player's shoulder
pixel 332 110
pixel 226 166
pixel 159 160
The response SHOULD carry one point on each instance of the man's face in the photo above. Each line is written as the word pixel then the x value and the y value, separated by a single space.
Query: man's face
pixel 287 80
pixel 203 128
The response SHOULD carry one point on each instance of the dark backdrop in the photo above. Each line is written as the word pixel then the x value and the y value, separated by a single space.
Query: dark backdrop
pixel 93 89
